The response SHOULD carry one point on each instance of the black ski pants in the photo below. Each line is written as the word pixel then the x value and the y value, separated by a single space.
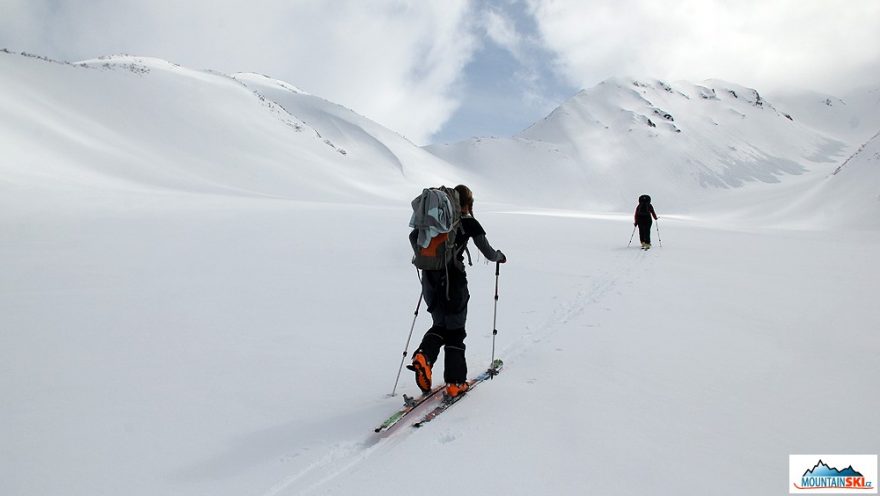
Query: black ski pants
pixel 452 342
pixel 645 223
pixel 446 294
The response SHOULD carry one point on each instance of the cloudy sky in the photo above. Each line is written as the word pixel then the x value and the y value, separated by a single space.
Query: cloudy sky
pixel 444 70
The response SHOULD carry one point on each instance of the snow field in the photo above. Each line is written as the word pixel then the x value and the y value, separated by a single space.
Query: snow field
pixel 246 351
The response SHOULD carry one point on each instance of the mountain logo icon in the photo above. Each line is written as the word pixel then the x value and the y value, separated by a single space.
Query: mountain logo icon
pixel 817 476
pixel 823 470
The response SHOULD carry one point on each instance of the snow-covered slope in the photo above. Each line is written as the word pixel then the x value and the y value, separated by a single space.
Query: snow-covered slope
pixel 681 142
pixel 853 117
pixel 850 196
pixel 347 131
pixel 172 323
pixel 249 350
pixel 135 124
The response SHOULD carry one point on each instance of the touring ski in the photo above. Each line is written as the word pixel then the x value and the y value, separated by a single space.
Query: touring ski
pixel 409 404
pixel 447 402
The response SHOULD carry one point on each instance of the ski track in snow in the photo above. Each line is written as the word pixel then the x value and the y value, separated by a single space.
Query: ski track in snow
pixel 339 460
pixel 589 295
pixel 344 457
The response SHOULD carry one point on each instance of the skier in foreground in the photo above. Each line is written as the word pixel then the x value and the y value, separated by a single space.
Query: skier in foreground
pixel 446 293
pixel 642 218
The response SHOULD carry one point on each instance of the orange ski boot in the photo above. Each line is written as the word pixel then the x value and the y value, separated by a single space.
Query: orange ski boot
pixel 455 390
pixel 422 369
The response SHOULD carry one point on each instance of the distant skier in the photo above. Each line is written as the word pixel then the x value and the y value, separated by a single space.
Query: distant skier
pixel 446 293
pixel 642 218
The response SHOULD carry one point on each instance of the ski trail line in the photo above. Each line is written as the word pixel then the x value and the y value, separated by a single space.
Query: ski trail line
pixel 340 459
pixel 588 295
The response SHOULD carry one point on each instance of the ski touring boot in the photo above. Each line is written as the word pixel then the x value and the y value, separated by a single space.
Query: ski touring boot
pixel 422 369
pixel 455 390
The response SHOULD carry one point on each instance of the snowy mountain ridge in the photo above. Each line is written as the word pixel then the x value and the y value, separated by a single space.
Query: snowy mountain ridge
pixel 691 144
pixel 138 123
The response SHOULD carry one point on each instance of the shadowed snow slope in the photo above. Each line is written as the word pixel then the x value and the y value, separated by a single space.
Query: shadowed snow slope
pixel 851 195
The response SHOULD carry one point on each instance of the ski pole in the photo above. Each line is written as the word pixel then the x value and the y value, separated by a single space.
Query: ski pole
pixel 659 241
pixel 631 237
pixel 494 320
pixel 408 338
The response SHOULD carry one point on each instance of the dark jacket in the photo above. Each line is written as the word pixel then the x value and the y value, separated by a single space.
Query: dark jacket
pixel 644 214
pixel 471 229
pixel 446 291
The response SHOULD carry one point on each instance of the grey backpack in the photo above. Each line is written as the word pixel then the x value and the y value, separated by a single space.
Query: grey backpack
pixel 435 221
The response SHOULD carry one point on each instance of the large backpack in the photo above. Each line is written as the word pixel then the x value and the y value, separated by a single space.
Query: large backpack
pixel 435 221
pixel 644 204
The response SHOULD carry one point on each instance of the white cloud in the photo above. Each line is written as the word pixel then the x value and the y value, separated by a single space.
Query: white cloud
pixel 395 61
pixel 817 44
pixel 501 30
pixel 500 27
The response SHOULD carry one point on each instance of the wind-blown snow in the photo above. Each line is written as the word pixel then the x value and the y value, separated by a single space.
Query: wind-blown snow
pixel 206 290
